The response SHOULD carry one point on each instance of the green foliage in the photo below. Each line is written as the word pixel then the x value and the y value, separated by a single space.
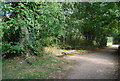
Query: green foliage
pixel 9 50
pixel 44 22
pixel 116 39
pixel 73 25
pixel 91 21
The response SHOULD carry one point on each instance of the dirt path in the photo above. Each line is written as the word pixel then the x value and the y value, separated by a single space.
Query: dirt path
pixel 101 64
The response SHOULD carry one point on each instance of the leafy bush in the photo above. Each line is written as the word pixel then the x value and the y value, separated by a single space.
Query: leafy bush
pixel 9 50
pixel 31 26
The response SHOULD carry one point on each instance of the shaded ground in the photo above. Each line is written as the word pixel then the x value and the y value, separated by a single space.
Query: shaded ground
pixel 41 68
pixel 101 64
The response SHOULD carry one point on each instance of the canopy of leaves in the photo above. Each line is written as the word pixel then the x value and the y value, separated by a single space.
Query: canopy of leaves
pixel 95 21
pixel 48 23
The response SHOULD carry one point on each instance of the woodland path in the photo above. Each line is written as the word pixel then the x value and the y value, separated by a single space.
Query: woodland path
pixel 100 64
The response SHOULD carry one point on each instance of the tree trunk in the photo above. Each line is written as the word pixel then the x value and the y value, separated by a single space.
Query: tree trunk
pixel 25 38
pixel 22 42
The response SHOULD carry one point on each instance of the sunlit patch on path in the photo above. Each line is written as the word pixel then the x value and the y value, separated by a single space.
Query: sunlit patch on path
pixel 94 60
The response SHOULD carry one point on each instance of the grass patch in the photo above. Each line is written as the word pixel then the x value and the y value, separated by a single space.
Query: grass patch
pixel 109 45
pixel 42 68
pixel 82 50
